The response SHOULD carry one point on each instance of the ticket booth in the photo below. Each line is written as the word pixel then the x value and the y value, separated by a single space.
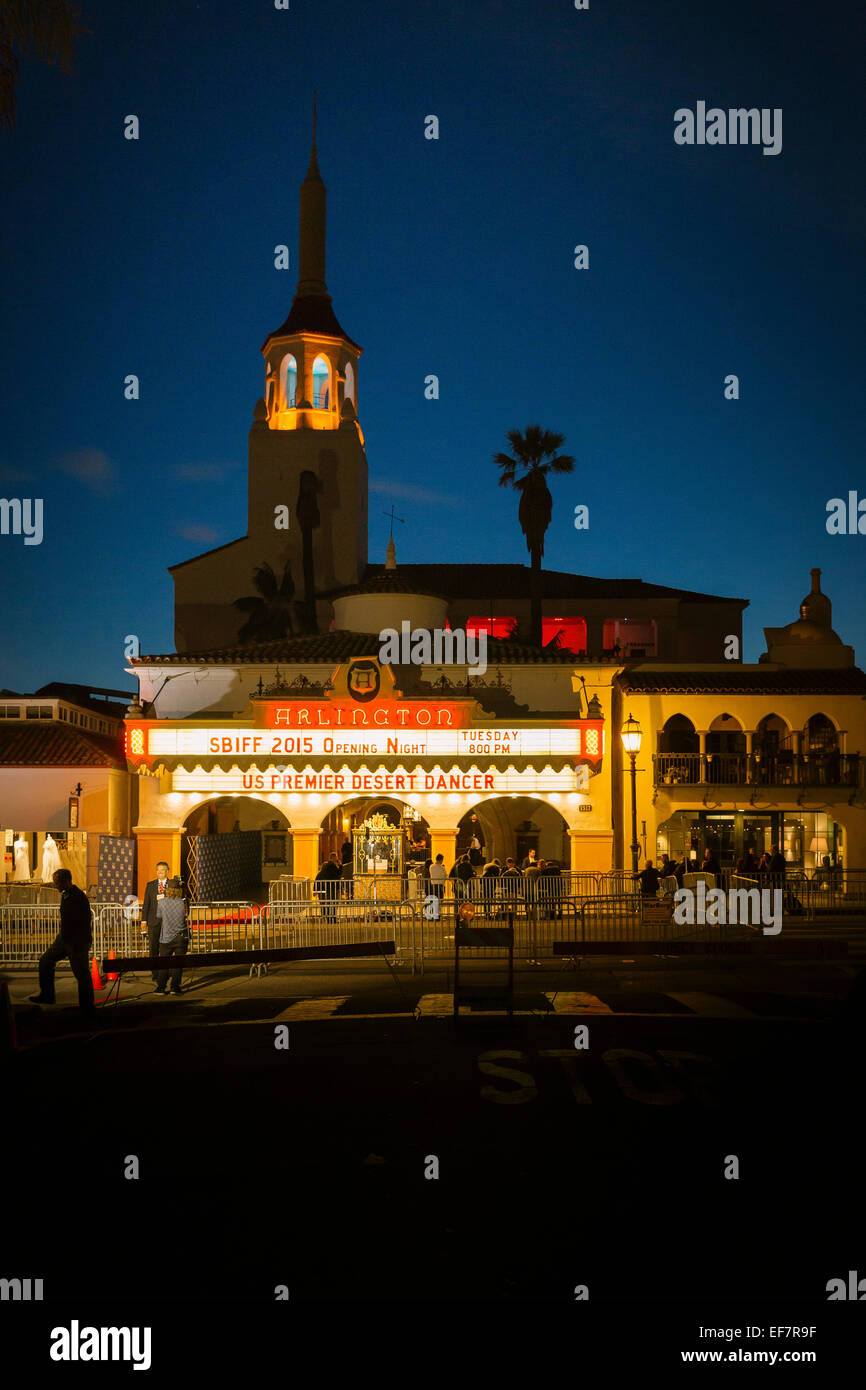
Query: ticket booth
pixel 378 848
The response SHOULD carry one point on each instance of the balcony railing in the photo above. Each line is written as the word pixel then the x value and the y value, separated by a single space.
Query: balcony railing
pixel 826 769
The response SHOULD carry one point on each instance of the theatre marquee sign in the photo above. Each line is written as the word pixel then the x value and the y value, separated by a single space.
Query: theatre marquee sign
pixel 297 745
pixel 365 781
pixel 177 741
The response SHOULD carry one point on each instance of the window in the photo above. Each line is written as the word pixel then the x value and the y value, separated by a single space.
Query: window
pixel 568 633
pixel 770 736
pixel 678 736
pixel 63 714
pixel 288 381
pixel 321 383
pixel 494 627
pixel 32 711
pixel 46 711
pixel 820 735
pixel 630 636
pixel 349 390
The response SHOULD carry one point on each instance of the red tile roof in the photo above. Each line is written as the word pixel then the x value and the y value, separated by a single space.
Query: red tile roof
pixel 48 743
pixel 335 647
pixel 845 681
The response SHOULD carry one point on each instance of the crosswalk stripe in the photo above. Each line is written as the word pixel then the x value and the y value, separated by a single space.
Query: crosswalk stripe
pixel 432 1005
pixel 578 1002
pixel 711 1005
pixel 324 1007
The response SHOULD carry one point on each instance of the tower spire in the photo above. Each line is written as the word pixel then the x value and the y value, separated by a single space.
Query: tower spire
pixel 311 310
pixel 313 212
pixel 313 170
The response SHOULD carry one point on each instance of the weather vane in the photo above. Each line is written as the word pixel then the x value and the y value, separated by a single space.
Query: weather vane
pixel 392 515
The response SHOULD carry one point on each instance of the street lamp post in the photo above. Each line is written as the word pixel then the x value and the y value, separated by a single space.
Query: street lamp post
pixel 631 737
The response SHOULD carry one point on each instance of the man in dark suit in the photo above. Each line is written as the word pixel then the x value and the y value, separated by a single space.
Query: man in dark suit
pixel 777 864
pixel 73 940
pixel 325 887
pixel 154 893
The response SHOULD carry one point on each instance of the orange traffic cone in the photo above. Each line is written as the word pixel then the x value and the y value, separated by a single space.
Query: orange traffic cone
pixel 98 982
pixel 8 1035
pixel 108 973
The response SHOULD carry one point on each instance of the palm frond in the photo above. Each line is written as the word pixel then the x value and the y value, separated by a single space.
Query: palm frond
pixel 265 581
pixel 563 463
pixel 47 29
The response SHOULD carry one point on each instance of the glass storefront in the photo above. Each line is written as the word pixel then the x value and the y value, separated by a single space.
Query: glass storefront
pixel 809 839
pixel 814 840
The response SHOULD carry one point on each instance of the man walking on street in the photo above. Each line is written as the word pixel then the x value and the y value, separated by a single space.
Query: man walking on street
pixel 73 940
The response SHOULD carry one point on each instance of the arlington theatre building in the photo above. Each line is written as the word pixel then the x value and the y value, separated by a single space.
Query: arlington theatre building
pixel 258 748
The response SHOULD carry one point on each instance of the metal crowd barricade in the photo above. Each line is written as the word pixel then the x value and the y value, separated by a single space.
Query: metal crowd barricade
pixel 582 884
pixel 616 884
pixel 28 894
pixel 436 928
pixel 117 928
pixel 333 920
pixel 833 890
pixel 611 918
pixel 378 887
pixel 224 926
pixel 26 930
pixel 289 889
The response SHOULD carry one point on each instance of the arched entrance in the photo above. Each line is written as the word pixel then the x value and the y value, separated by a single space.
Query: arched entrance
pixel 511 826
pixel 233 848
pixel 385 836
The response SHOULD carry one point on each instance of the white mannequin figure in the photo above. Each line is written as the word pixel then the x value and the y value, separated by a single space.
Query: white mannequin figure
pixel 22 861
pixel 51 860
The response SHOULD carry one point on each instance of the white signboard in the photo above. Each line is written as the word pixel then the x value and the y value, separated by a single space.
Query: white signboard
pixel 364 780
pixel 348 743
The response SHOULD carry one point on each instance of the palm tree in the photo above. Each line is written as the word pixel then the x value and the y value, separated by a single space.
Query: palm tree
pixel 47 29
pixel 270 611
pixel 535 452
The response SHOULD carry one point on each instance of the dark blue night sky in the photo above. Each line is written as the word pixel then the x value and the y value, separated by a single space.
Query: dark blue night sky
pixel 451 257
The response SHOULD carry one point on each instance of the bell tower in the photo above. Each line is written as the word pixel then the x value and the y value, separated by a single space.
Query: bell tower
pixel 307 475
pixel 306 448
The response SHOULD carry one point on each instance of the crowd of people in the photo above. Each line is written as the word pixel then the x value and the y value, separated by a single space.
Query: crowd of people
pixel 495 880
pixel 770 867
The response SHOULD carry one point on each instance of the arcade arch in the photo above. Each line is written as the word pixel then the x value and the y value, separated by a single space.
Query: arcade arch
pixel 509 826
pixel 234 846
pixel 338 825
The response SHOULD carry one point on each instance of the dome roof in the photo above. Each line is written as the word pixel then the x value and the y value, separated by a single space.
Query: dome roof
pixel 386 582
pixel 805 630
pixel 809 641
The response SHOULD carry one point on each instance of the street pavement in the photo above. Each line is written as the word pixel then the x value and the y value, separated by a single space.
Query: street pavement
pixel 341 1134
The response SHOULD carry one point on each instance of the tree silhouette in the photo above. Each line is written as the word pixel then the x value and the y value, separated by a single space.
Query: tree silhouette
pixel 534 451
pixel 47 29
pixel 271 609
